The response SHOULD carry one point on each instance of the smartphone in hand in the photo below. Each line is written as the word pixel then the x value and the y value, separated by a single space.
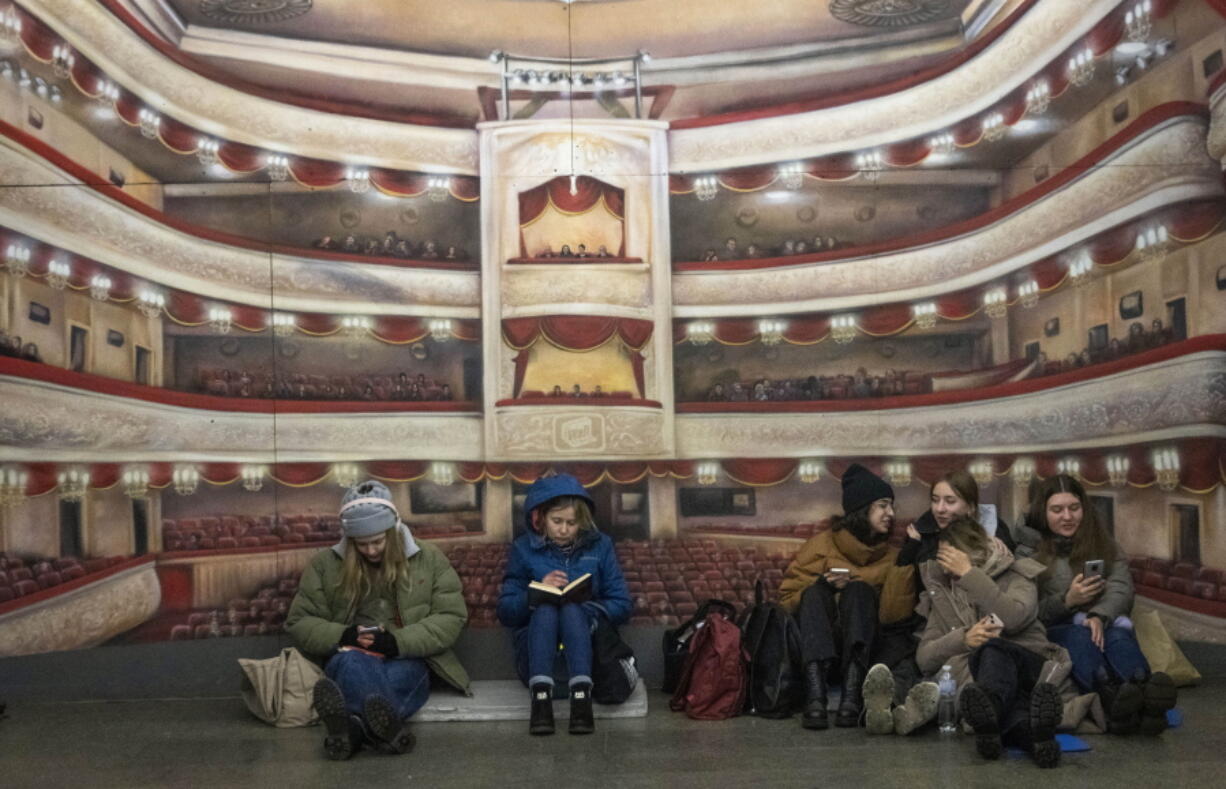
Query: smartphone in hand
pixel 1093 569
pixel 995 621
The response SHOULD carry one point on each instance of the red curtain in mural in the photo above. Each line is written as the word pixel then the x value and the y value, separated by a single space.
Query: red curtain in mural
pixel 239 158
pixel 576 333
pixel 759 471
pixel 1193 221
pixel 316 173
pixel 907 153
pixel 397 470
pixel 300 474
pixel 748 179
pixel 588 193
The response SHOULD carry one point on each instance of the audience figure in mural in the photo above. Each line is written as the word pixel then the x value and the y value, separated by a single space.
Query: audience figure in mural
pixel 553 638
pixel 730 251
pixel 981 608
pixel 565 252
pixel 850 600
pixel 1085 598
pixel 603 252
pixel 382 612
pixel 709 255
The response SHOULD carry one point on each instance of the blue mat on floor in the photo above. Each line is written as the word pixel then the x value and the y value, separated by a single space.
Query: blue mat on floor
pixel 1068 744
pixel 1174 718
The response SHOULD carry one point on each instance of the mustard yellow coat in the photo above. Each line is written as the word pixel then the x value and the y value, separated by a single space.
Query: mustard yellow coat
pixel 872 564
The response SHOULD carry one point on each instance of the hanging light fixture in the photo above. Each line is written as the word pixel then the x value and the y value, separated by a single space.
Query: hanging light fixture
pixel 843 328
pixel 441 329
pixel 72 483
pixel 870 164
pixel 707 472
pixel 150 303
pixel 283 324
pixel 253 476
pixel 100 287
pixel 983 471
pixel 1022 471
pixel 995 303
pixel 108 93
pixel 355 327
pixel 62 60
pixel 1081 68
pixel 941 143
pixel 13 481
pixel 1117 470
pixel 699 332
pixel 150 122
pixel 1070 466
pixel 1166 467
pixel 135 481
pixel 1038 98
pixel 58 274
pixel 442 473
pixel 278 167
pixel 925 314
pixel 1153 243
pixel 358 179
pixel 220 319
pixel 346 474
pixel 706 187
pixel 1139 22
pixel 10 26
pixel 770 331
pixel 17 260
pixel 438 187
pixel 809 471
pixel 792 175
pixel 1028 293
pixel 898 472
pixel 206 151
pixel 185 478
pixel 994 127
pixel 1079 270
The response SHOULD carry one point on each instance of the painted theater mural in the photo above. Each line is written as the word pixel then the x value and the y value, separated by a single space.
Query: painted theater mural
pixel 218 309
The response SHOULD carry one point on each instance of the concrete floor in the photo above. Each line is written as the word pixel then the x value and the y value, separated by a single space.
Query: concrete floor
pixel 216 743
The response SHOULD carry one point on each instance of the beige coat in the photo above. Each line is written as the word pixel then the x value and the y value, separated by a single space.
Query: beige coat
pixel 953 606
pixel 874 565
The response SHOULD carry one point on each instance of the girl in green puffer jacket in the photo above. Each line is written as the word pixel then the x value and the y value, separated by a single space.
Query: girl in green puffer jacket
pixel 382 612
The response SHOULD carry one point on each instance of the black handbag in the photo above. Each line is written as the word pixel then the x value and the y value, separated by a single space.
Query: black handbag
pixel 614 672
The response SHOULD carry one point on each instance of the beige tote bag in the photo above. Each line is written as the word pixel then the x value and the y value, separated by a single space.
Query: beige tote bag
pixel 278 690
pixel 1160 650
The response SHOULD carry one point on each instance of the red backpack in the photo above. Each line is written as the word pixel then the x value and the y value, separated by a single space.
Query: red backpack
pixel 712 684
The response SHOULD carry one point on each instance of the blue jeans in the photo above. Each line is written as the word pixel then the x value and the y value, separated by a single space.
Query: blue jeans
pixel 1120 656
pixel 536 646
pixel 405 682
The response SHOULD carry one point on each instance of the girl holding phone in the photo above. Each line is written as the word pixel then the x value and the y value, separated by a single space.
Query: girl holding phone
pixel 1086 595
pixel 981 608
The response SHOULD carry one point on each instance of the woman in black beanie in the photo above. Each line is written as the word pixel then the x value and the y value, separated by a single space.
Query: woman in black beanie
pixel 843 587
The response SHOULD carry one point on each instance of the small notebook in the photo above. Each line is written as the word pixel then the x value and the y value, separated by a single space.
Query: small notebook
pixel 576 591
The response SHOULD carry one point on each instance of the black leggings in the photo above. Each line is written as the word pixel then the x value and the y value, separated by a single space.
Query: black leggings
pixel 1009 673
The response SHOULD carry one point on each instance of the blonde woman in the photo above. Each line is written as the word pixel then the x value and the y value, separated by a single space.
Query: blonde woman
pixel 381 611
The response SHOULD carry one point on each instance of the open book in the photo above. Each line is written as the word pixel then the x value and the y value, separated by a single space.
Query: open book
pixel 576 591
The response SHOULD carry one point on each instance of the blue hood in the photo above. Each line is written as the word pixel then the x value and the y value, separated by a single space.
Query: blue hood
pixel 547 489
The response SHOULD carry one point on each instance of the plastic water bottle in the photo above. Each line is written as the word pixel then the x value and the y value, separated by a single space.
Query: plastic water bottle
pixel 947 710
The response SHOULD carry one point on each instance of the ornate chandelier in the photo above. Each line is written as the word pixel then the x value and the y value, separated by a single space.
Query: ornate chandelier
pixel 898 472
pixel 994 127
pixel 699 332
pixel 941 143
pixel 706 187
pixel 925 314
pixel 150 303
pixel 150 122
pixel 1028 293
pixel 10 26
pixel 358 179
pixel 58 273
pixel 346 474
pixel 1081 68
pixel 1153 243
pixel 135 481
pixel 62 60
pixel 438 187
pixel 870 164
pixel 283 324
pixel 707 472
pixel 441 329
pixel 995 303
pixel 1079 271
pixel 442 473
pixel 1022 471
pixel 72 483
pixel 278 167
pixel 13 481
pixel 1070 466
pixel 253 476
pixel 983 471
pixel 792 175
pixel 206 151
pixel 1117 470
pixel 355 327
pixel 17 260
pixel 1166 467
pixel 809 471
pixel 1038 98
pixel 185 478
pixel 1139 22
pixel 770 331
pixel 843 328
pixel 220 320
pixel 100 287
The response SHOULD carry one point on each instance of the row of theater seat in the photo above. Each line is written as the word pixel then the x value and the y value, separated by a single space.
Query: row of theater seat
pixel 233 531
pixel 21 577
pixel 1185 578
pixel 258 615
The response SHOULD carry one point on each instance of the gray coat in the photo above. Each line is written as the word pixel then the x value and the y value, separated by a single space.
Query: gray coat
pixel 1115 600
pixel 953 606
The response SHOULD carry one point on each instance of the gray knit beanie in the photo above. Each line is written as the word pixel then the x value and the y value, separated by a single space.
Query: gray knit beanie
pixel 367 510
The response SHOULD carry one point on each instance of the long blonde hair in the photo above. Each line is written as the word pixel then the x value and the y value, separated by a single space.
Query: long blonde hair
pixel 359 577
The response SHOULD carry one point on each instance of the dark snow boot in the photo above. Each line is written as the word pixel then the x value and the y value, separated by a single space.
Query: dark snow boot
pixel 981 712
pixel 541 720
pixel 581 719
pixel 852 702
pixel 814 715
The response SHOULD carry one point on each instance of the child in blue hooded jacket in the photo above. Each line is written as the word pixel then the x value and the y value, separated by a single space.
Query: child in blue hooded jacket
pixel 561 544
